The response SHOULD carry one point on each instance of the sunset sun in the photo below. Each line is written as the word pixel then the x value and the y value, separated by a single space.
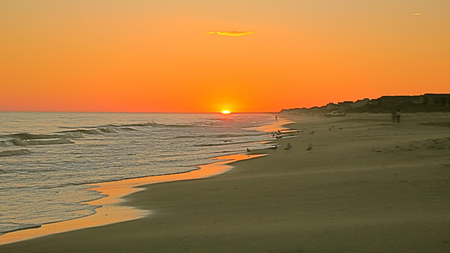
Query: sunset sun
pixel 225 112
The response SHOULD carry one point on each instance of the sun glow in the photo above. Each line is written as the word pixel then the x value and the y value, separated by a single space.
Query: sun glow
pixel 225 112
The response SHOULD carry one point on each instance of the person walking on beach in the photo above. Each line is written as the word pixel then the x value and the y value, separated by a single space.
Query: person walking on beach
pixel 397 115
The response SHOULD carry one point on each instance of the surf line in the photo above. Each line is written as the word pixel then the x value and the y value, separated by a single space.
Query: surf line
pixel 108 212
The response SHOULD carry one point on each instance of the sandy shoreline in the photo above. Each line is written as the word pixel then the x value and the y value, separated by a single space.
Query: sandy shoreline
pixel 367 185
pixel 110 211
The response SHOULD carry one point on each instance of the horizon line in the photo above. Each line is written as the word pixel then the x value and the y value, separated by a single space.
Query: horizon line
pixel 130 112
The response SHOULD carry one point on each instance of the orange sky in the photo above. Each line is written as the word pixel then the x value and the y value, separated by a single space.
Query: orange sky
pixel 177 56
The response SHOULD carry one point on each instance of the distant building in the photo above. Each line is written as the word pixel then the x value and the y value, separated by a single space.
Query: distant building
pixel 437 102
pixel 345 105
pixel 421 103
pixel 332 107
pixel 428 102
pixel 361 103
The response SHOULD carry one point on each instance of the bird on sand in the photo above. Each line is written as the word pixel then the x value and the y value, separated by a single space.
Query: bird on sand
pixel 288 146
pixel 248 150
pixel 312 132
pixel 310 147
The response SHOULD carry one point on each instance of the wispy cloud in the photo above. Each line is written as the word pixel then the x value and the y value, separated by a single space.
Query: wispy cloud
pixel 417 13
pixel 232 33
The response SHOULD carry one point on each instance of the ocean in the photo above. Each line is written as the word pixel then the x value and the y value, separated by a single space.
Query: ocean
pixel 48 160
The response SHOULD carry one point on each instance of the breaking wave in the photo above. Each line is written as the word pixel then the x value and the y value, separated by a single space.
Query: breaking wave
pixel 15 152
pixel 27 136
pixel 146 124
pixel 19 142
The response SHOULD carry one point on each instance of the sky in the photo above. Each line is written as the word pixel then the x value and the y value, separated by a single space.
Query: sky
pixel 214 55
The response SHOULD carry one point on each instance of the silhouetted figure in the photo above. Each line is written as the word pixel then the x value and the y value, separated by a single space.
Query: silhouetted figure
pixel 248 150
pixel 310 147
pixel 394 116
pixel 288 146
pixel 397 115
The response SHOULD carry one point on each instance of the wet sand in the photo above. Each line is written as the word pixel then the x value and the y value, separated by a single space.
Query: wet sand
pixel 364 185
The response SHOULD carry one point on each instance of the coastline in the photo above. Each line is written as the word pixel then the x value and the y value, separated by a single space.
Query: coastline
pixel 109 208
pixel 111 211
pixel 367 185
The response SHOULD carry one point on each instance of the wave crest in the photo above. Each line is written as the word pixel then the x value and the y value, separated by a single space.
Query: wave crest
pixel 15 152
pixel 19 142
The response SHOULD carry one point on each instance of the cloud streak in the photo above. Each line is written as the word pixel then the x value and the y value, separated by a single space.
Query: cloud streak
pixel 231 33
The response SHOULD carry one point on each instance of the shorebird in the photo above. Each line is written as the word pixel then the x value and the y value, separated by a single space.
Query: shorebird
pixel 248 150
pixel 312 132
pixel 288 146
pixel 310 147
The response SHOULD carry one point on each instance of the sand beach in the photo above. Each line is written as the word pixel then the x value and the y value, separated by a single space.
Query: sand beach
pixel 358 183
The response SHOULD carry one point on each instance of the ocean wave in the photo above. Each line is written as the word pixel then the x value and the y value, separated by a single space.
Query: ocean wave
pixel 74 135
pixel 28 136
pixel 146 124
pixel 114 128
pixel 154 124
pixel 139 124
pixel 81 131
pixel 127 129
pixel 107 130
pixel 15 152
pixel 88 131
pixel 5 143
pixel 19 142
